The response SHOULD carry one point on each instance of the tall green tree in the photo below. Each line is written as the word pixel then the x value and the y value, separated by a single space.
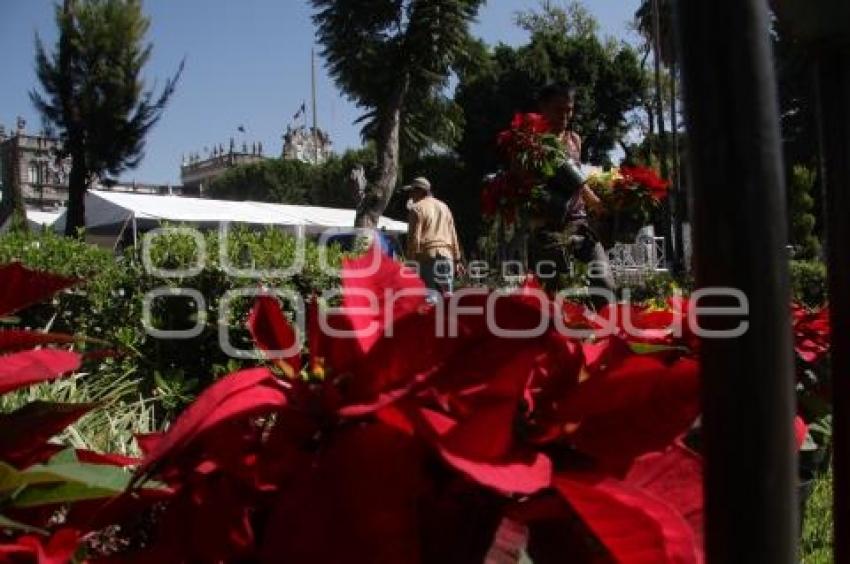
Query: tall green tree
pixel 274 180
pixel 294 182
pixel 572 18
pixel 654 21
pixel 393 58
pixel 564 47
pixel 93 92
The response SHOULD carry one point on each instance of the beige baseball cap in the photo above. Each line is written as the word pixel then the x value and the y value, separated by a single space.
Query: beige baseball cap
pixel 420 182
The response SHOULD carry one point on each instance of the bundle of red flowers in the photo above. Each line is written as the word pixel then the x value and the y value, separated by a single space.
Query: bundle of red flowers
pixel 531 155
pixel 524 138
pixel 642 178
pixel 630 195
pixel 630 188
pixel 501 196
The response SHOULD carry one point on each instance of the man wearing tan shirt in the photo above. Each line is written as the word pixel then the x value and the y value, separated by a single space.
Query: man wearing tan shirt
pixel 431 237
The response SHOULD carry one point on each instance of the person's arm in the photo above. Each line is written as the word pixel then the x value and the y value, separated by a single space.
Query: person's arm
pixel 591 200
pixel 413 230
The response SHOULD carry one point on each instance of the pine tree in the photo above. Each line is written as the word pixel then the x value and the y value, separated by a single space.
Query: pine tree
pixel 393 58
pixel 93 93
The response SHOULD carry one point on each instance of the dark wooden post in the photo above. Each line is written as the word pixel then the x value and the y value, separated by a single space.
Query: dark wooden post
pixel 834 82
pixel 824 25
pixel 736 172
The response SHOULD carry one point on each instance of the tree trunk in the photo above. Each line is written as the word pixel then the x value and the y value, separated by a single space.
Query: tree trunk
pixel 667 222
pixel 12 198
pixel 75 218
pixel 679 201
pixel 379 193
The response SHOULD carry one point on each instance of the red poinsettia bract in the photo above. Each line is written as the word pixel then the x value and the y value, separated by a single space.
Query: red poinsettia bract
pixel 646 178
pixel 24 433
pixel 811 333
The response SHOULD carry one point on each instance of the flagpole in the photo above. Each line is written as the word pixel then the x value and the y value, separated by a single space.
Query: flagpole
pixel 315 117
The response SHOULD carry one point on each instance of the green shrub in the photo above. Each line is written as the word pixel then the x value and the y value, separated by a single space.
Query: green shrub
pixel 808 282
pixel 109 304
pixel 272 180
pixel 294 182
pixel 656 288
pixel 801 212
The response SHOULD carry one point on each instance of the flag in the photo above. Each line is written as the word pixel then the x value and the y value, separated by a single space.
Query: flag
pixel 301 111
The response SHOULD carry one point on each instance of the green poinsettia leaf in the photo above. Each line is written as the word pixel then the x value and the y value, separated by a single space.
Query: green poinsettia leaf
pixel 63 480
pixel 67 456
pixel 68 492
pixel 10 479
pixel 649 348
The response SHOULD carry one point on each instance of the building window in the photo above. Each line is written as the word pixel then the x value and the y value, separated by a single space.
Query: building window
pixel 33 173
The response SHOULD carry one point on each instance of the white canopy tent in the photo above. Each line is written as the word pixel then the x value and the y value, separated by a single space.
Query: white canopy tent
pixel 36 220
pixel 111 214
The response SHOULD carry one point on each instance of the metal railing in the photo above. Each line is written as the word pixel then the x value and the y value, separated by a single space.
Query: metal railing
pixel 632 263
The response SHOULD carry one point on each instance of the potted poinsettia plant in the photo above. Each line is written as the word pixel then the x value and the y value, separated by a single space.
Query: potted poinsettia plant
pixel 630 196
pixel 814 388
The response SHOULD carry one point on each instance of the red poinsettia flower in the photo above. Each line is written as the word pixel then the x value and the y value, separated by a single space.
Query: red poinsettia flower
pixel 811 333
pixel 654 514
pixel 19 288
pixel 352 450
pixel 24 433
pixel 646 178
pixel 801 430
pixel 530 122
pixel 23 287
pixel 59 548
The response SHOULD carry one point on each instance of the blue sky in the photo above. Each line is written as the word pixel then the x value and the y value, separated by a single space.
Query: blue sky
pixel 247 63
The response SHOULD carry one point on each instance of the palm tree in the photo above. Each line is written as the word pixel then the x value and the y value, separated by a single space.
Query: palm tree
pixel 93 93
pixel 393 58
pixel 654 21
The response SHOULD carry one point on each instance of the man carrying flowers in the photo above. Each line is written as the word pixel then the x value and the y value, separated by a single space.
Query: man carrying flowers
pixel 560 222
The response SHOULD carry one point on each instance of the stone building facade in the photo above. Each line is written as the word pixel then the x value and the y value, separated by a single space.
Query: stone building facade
pixel 30 165
pixel 197 173
pixel 308 145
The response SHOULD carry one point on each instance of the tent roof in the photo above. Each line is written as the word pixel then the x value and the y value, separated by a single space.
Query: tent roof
pixel 110 208
pixel 43 218
pixel 36 220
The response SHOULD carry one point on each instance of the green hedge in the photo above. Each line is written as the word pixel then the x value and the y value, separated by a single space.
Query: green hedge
pixel 808 282
pixel 108 304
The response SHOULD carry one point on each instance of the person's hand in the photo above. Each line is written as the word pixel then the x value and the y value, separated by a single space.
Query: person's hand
pixel 592 201
pixel 599 209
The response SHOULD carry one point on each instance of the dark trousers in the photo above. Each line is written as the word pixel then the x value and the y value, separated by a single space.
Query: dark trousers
pixel 437 273
pixel 575 241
